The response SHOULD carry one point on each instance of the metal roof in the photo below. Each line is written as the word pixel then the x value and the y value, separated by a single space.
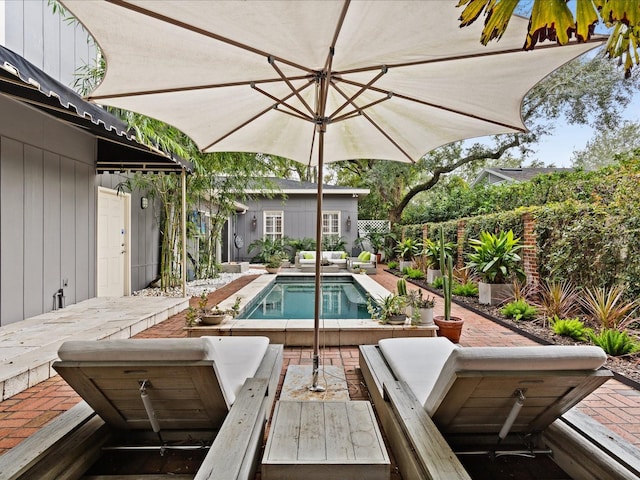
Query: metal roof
pixel 117 150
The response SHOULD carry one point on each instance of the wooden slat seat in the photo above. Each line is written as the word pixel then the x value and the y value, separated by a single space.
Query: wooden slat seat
pixel 208 389
pixel 472 392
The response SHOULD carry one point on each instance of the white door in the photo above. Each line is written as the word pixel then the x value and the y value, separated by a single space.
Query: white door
pixel 113 269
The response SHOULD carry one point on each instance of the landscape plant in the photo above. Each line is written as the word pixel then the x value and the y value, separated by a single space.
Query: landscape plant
pixel 570 327
pixel 407 248
pixel 608 307
pixel 615 342
pixel 495 257
pixel 468 289
pixel 558 299
pixel 519 310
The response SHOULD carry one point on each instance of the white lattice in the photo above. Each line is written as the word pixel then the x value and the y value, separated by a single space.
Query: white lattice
pixel 366 226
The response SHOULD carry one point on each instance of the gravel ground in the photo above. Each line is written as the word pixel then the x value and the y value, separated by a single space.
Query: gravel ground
pixel 197 287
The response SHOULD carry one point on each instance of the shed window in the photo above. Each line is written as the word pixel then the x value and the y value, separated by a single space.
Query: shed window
pixel 273 225
pixel 331 223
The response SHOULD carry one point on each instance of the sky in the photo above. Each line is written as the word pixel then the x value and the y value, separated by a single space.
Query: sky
pixel 557 149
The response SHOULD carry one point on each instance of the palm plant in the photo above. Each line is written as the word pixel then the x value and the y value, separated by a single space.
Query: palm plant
pixel 431 251
pixel 608 307
pixel 407 248
pixel 495 256
pixel 269 248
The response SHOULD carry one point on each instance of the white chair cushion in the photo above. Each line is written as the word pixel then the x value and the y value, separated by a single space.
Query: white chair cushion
pixel 548 357
pixel 136 350
pixel 235 358
pixel 417 361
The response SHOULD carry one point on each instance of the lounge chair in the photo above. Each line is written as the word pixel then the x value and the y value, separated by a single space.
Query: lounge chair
pixel 207 390
pixel 431 395
pixel 366 262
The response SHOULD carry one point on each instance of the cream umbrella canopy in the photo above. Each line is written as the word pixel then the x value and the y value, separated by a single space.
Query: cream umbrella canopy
pixel 315 81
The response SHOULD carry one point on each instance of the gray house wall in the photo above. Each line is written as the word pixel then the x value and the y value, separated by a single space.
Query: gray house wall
pixel 48 180
pixel 47 212
pixel 299 218
pixel 31 29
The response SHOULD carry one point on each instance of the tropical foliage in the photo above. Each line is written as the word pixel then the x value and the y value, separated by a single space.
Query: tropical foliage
pixel 519 310
pixel 495 256
pixel 615 342
pixel 555 21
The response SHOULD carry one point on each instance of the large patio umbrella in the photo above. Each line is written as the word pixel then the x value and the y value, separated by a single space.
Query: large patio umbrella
pixel 315 81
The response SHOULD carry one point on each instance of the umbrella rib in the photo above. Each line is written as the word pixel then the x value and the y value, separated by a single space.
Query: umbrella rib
pixel 453 58
pixel 440 107
pixel 203 32
pixel 279 101
pixel 358 110
pixel 245 123
pixel 385 134
pixel 359 92
pixel 195 87
pixel 290 85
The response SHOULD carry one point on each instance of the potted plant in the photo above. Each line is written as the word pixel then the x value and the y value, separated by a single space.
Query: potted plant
pixel 376 239
pixel 495 260
pixel 217 315
pixel 422 308
pixel 390 309
pixel 273 263
pixel 448 326
pixel 431 253
pixel 406 249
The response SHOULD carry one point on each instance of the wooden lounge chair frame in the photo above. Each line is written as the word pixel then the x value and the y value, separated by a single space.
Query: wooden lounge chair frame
pixel 72 442
pixel 422 443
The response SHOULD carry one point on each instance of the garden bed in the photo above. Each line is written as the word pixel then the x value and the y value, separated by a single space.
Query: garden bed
pixel 626 368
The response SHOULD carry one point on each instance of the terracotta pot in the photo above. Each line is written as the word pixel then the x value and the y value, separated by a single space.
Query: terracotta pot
pixel 451 329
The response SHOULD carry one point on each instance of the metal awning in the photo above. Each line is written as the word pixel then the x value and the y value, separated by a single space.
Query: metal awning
pixel 117 150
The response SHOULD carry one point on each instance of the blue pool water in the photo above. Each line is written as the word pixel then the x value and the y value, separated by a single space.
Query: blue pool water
pixel 293 298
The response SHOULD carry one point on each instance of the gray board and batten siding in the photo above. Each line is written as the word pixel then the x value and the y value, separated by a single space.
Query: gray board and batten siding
pixel 299 218
pixel 31 29
pixel 47 212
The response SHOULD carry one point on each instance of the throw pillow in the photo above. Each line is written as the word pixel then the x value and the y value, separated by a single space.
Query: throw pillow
pixel 307 256
pixel 344 255
pixel 366 257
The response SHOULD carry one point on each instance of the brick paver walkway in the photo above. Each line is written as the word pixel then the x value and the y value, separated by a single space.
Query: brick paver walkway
pixel 615 405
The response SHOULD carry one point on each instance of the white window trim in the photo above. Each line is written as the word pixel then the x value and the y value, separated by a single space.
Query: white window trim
pixel 272 213
pixel 332 212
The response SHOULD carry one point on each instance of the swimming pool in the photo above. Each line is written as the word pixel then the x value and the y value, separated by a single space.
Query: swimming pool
pixel 292 297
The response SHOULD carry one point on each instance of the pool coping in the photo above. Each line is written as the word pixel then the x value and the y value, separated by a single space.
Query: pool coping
pixel 300 332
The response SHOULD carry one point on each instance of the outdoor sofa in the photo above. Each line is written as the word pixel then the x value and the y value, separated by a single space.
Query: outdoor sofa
pixel 433 397
pixel 365 261
pixel 215 391
pixel 307 258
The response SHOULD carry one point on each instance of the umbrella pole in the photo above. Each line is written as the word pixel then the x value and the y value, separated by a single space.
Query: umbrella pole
pixel 316 315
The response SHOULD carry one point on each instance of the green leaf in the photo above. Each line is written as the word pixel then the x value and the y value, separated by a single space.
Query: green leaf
pixel 550 20
pixel 473 10
pixel 586 18
pixel 498 16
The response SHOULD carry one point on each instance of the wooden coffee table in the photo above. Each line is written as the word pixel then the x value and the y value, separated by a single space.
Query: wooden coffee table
pixel 315 440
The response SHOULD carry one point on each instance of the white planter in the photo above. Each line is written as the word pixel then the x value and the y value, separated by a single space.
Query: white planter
pixel 432 274
pixel 404 264
pixel 426 316
pixel 493 293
